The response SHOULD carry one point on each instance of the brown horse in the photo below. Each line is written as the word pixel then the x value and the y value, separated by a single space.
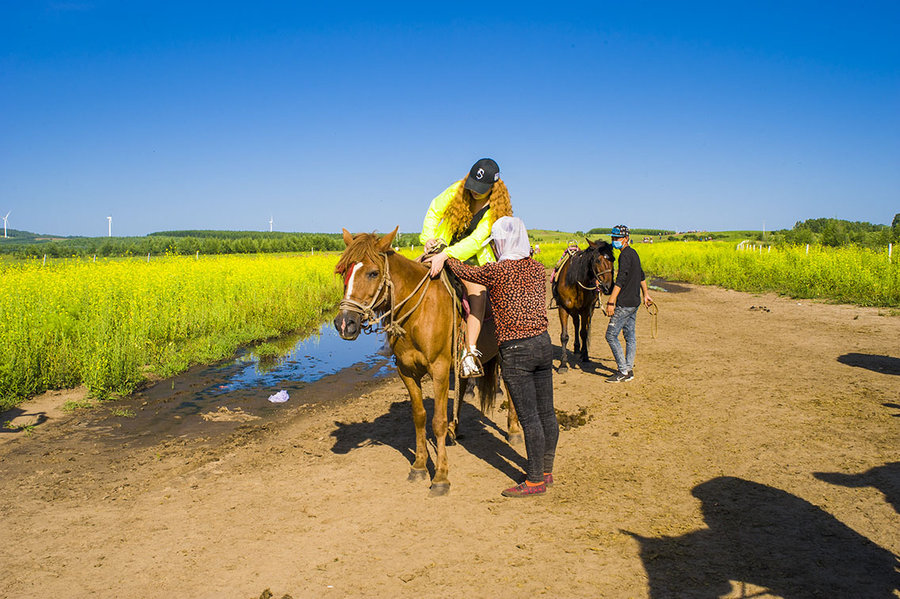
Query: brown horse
pixel 421 328
pixel 578 282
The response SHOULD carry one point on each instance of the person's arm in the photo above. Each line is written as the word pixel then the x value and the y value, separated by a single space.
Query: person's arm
pixel 611 303
pixel 621 276
pixel 647 299
pixel 477 274
pixel 436 213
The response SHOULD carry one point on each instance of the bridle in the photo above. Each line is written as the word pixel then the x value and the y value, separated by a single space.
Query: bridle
pixel 597 275
pixel 369 312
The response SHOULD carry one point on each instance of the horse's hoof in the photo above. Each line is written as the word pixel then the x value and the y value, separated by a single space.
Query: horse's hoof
pixel 439 489
pixel 416 475
pixel 563 370
pixel 516 439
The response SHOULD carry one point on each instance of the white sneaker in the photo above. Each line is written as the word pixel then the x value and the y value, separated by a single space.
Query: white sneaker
pixel 470 365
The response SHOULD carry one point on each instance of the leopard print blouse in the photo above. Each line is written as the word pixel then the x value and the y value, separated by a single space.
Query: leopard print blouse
pixel 516 289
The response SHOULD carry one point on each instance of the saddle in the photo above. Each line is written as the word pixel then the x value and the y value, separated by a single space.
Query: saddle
pixel 570 251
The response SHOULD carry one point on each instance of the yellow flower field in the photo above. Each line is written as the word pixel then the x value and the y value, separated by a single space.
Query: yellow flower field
pixel 112 324
pixel 847 274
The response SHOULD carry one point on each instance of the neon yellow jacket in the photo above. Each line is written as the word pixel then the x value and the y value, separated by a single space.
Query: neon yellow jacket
pixel 436 227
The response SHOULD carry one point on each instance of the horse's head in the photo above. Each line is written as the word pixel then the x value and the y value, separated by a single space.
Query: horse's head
pixel 602 263
pixel 365 291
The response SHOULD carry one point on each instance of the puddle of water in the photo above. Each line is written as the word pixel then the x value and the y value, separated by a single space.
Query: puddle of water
pixel 309 359
pixel 312 368
pixel 667 286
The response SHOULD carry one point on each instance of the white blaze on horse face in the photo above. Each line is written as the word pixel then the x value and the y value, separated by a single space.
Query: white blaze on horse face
pixel 350 280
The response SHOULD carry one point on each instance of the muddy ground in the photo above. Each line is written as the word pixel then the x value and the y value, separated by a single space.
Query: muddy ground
pixel 756 453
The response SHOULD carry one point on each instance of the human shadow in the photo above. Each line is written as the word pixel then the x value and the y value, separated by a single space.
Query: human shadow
pixel 592 366
pixel 16 420
pixel 395 429
pixel 885 478
pixel 763 536
pixel 878 363
pixel 893 406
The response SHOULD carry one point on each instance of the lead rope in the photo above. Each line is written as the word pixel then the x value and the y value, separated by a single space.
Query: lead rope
pixel 653 309
pixel 454 347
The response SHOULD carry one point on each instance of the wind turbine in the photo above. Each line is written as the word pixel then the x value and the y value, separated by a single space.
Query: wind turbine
pixel 270 224
pixel 109 222
pixel 5 218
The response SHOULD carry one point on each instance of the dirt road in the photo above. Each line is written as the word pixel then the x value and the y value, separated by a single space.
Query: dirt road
pixel 756 453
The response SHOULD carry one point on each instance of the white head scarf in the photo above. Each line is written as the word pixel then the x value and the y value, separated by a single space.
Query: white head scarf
pixel 511 238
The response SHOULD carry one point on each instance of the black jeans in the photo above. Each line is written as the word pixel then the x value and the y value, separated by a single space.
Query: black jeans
pixel 527 366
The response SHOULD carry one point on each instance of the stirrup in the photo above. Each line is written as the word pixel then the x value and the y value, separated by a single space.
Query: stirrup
pixel 469 365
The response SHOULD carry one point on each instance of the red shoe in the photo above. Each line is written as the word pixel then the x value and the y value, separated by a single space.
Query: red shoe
pixel 525 490
pixel 548 479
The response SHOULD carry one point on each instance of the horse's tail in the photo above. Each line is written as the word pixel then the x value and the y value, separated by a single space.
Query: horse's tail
pixel 487 384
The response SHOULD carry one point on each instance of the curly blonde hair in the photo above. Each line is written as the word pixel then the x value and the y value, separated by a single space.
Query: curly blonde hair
pixel 459 211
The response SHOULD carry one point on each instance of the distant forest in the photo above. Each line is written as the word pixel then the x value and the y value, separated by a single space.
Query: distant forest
pixel 836 232
pixel 30 245
pixel 826 231
pixel 205 242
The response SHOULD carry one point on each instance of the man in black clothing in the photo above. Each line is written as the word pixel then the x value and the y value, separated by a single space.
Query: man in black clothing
pixel 623 305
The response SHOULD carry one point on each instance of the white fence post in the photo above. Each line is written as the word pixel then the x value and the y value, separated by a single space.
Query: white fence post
pixel 148 256
pixel 807 249
pixel 890 247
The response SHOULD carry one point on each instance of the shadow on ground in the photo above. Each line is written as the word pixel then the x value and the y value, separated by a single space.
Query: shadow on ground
pixel 883 364
pixel 18 419
pixel 395 429
pixel 766 537
pixel 884 478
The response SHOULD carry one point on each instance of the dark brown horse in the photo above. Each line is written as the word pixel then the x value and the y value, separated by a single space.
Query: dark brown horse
pixel 420 317
pixel 577 286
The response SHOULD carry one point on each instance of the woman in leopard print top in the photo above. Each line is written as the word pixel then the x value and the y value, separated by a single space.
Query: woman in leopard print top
pixel 515 285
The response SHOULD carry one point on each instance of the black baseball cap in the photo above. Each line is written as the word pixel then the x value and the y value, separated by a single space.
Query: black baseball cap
pixel 482 176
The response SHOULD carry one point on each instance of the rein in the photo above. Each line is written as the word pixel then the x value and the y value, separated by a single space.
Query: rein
pixel 596 286
pixel 371 320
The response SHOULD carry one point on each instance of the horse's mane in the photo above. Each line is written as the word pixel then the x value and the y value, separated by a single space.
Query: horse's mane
pixel 363 246
pixel 580 264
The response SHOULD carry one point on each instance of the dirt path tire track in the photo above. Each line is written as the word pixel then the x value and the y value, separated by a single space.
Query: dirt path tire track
pixel 730 407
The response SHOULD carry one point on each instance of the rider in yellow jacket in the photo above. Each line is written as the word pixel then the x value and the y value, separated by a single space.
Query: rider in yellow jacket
pixel 458 225
pixel 435 227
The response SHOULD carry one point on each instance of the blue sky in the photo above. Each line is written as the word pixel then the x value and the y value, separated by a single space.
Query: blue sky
pixel 191 115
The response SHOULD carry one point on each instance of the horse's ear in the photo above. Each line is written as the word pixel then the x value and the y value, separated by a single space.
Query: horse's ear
pixel 591 243
pixel 384 244
pixel 348 237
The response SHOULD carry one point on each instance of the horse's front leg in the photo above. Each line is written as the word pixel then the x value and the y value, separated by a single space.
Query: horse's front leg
pixel 586 332
pixel 563 338
pixel 440 375
pixel 419 470
pixel 576 331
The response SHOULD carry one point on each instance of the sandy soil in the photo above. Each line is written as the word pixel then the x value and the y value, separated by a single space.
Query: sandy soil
pixel 755 454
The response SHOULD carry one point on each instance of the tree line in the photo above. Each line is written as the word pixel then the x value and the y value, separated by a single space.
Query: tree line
pixel 26 245
pixel 836 232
